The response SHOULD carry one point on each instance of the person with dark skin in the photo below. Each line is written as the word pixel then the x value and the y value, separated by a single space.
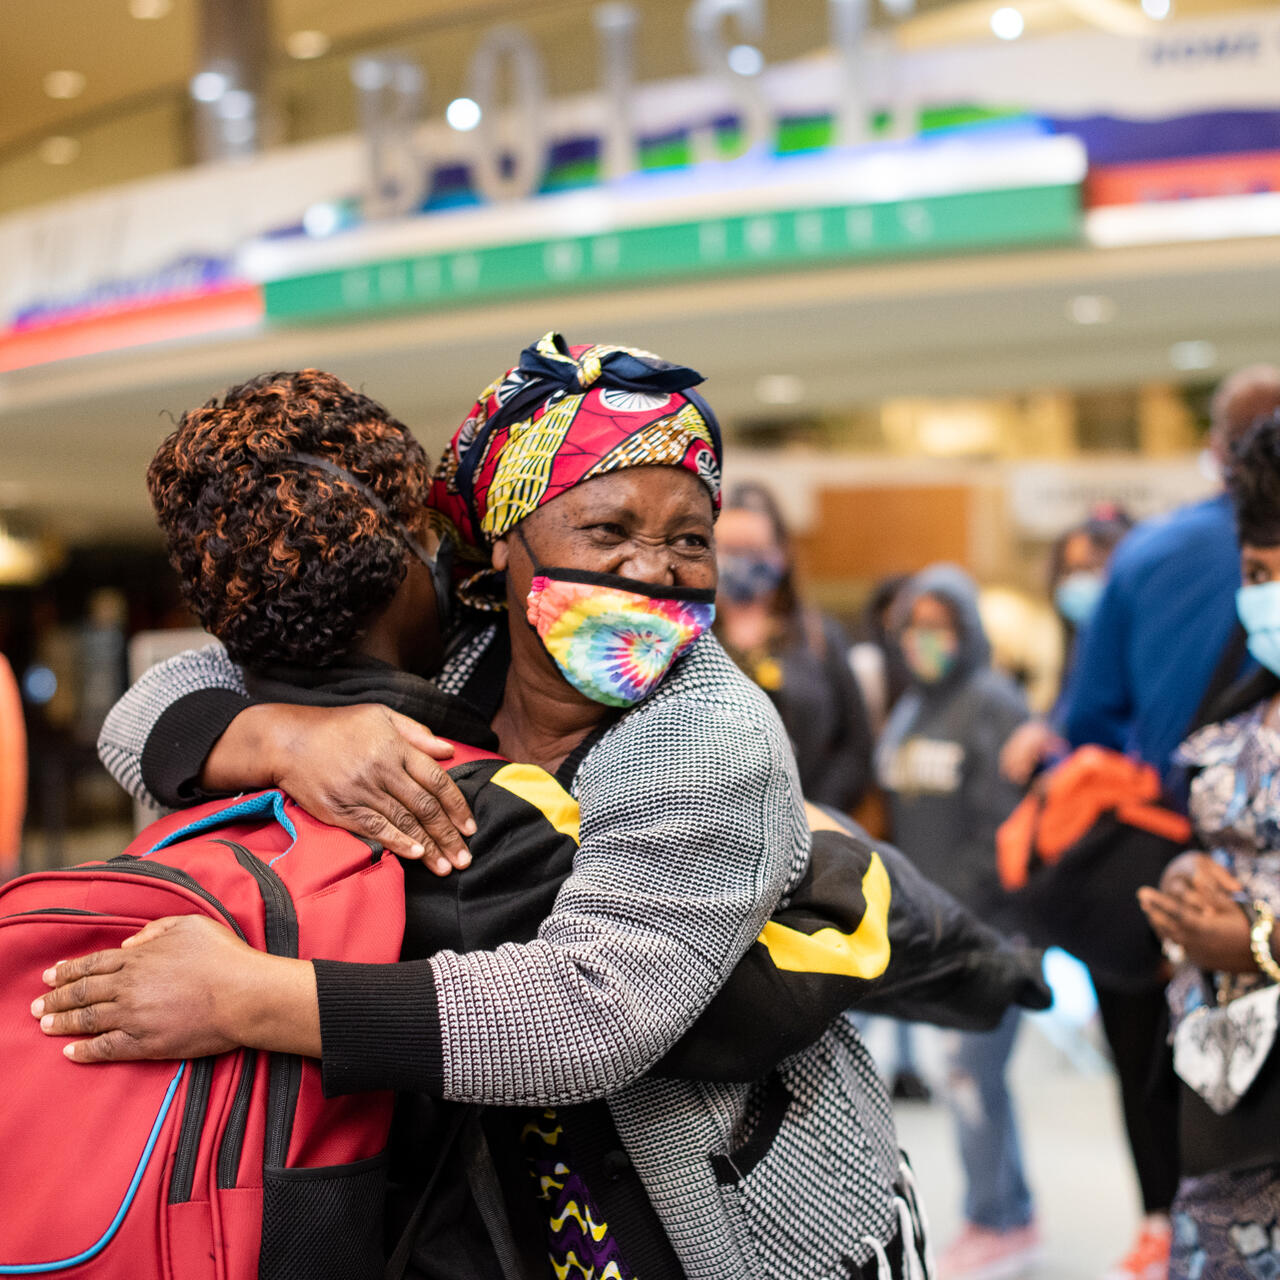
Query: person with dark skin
pixel 433 1022
pixel 1213 904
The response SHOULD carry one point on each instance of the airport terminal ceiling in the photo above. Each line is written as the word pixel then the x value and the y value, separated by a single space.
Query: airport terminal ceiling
pixel 113 75
pixel 793 357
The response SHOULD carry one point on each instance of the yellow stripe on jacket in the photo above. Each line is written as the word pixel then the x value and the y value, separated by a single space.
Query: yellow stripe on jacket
pixel 537 787
pixel 864 953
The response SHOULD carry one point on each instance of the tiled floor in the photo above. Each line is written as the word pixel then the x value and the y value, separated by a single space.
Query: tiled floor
pixel 1074 1147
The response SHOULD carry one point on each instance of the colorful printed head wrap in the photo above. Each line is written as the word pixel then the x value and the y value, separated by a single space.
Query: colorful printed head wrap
pixel 564 415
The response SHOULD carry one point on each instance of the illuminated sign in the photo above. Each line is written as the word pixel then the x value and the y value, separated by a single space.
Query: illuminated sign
pixel 739 244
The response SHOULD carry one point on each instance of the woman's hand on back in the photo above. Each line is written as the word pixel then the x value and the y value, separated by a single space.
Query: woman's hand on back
pixel 182 987
pixel 367 769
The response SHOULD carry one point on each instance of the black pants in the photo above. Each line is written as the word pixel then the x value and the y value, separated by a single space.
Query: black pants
pixel 1135 1027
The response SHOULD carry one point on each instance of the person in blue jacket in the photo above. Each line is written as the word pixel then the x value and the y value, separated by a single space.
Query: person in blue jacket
pixel 1168 609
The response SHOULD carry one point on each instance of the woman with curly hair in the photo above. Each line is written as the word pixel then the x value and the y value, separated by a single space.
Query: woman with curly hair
pixel 279 563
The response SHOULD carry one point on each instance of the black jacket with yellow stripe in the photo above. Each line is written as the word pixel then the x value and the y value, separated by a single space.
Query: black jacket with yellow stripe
pixel 863 930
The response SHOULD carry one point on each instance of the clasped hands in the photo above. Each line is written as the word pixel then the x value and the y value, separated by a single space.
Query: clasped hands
pixel 1197 908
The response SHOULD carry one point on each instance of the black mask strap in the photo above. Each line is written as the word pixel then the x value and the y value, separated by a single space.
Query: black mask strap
pixel 439 565
pixel 589 577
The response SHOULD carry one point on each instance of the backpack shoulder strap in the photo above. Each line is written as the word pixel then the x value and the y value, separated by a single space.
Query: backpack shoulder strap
pixel 1224 676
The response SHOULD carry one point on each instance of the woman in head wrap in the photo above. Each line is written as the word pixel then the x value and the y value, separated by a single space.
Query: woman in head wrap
pixel 591 476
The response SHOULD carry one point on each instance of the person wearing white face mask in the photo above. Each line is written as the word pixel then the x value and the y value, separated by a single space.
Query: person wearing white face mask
pixel 1215 912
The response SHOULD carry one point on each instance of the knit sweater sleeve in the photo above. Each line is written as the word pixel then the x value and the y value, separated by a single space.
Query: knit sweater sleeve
pixel 692 827
pixel 155 740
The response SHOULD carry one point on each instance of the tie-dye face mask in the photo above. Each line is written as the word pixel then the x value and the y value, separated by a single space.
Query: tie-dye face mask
pixel 614 638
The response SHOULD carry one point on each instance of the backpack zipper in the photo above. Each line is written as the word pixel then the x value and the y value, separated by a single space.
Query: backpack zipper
pixel 237 1119
pixel 284 1077
pixel 55 911
pixel 193 1114
pixel 132 865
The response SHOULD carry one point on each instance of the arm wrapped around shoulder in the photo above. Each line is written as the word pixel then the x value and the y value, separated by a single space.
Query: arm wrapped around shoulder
pixel 692 828
pixel 155 740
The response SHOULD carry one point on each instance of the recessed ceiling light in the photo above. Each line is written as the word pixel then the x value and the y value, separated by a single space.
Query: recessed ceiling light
pixel 746 60
pixel 1189 357
pixel 462 114
pixel 307 44
pixel 1007 23
pixel 236 104
pixel 1091 308
pixel 370 74
pixel 209 86
pixel 321 220
pixel 1157 9
pixel 64 84
pixel 59 149
pixel 779 388
pixel 150 10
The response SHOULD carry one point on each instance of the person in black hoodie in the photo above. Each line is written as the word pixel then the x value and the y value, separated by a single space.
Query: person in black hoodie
pixel 938 763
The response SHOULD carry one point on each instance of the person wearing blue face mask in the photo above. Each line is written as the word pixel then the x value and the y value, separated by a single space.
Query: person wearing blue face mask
pixel 1164 635
pixel 796 655
pixel 1215 910
pixel 1077 579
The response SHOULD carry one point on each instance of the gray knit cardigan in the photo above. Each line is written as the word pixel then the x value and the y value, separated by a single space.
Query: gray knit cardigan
pixel 692 830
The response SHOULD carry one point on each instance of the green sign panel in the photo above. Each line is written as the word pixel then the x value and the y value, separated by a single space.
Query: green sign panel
pixel 735 245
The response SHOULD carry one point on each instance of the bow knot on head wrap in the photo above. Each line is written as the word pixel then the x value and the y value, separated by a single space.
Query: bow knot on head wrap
pixel 564 415
pixel 589 371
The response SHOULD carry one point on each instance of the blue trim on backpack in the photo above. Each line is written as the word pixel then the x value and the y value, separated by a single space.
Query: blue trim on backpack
pixel 269 802
pixel 39 1268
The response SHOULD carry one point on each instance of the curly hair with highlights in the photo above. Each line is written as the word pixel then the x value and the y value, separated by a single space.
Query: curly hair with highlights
pixel 282 561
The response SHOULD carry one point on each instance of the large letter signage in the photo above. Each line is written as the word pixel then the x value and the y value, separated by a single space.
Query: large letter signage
pixel 390 92
pixel 509 154
pixel 616 24
pixel 508 147
pixel 712 56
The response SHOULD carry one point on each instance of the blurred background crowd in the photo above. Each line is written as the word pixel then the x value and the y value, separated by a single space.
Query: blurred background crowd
pixel 977 287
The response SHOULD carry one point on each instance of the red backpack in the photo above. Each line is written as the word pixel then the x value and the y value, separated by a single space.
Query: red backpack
pixel 221 1168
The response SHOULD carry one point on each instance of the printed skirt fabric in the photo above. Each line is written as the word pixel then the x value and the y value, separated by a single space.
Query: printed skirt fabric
pixel 1226 1226
pixel 580 1245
